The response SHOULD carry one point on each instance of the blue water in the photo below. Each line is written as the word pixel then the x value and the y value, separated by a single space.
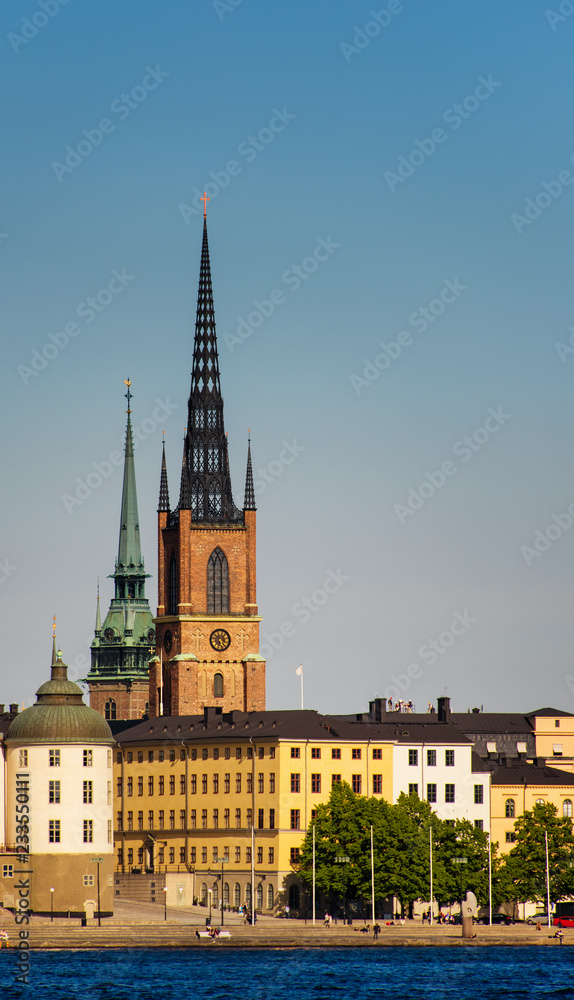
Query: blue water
pixel 301 974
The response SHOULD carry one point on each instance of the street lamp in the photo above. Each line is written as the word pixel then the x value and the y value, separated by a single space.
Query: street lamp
pixel 344 860
pixel 51 905
pixel 98 860
pixel 165 902
pixel 209 893
pixel 221 861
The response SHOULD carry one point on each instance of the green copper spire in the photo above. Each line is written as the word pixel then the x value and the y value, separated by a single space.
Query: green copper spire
pixel 129 551
pixel 98 616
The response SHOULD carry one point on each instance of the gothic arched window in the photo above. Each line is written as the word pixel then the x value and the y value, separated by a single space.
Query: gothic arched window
pixel 172 586
pixel 217 583
pixel 110 709
pixel 567 808
pixel 218 686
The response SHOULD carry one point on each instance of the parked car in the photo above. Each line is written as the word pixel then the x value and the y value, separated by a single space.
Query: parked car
pixel 563 921
pixel 497 918
pixel 538 918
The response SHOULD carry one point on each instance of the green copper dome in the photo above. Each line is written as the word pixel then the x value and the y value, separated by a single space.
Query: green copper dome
pixel 59 715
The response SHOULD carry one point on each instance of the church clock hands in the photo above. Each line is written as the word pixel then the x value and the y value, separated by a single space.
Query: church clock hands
pixel 219 639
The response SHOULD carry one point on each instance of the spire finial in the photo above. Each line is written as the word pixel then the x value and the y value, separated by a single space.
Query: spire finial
pixel 128 394
pixel 54 658
pixel 163 487
pixel 205 199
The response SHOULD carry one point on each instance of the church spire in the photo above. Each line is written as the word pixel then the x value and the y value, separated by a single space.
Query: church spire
pixel 206 484
pixel 98 627
pixel 163 487
pixel 129 551
pixel 249 503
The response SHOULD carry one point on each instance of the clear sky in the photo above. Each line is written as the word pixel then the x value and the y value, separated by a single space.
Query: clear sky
pixel 415 165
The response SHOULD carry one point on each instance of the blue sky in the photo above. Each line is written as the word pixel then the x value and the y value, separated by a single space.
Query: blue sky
pixel 473 103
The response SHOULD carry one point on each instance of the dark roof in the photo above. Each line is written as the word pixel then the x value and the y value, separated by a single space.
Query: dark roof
pixel 520 773
pixel 479 764
pixel 549 712
pixel 295 724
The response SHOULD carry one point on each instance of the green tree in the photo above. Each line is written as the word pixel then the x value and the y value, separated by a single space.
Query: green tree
pixel 526 862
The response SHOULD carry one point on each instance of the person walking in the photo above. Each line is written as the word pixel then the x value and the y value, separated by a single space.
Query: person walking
pixel 376 931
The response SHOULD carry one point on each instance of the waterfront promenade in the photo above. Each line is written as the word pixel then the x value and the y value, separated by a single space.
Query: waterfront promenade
pixel 141 925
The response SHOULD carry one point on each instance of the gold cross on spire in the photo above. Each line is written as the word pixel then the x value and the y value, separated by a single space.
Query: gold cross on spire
pixel 205 199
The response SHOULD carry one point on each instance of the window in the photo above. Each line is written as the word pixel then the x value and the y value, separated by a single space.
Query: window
pixel 204 784
pixel 215 819
pixel 172 754
pixel 237 894
pixel 237 753
pixel 182 753
pixel 110 709
pixel 259 897
pixel 54 831
pixel 295 752
pixel 88 880
pixel 119 757
pixel 377 753
pixel 216 784
pixel 270 899
pixel 478 795
pixel 249 783
pixel 356 783
pixel 272 782
pixel 150 785
pixel 204 855
pixel 449 793
pixel 413 789
pixel 88 831
pixel 130 757
pixel 194 784
pixel 259 855
pixel 119 788
pixel 431 793
pixel 226 819
pixel 237 855
pixel 54 792
pixel 336 753
pixel 150 820
pixel 567 807
pixel 261 820
pixel 88 757
pixel 413 758
pixel 557 723
pixel 295 782
pixel 172 855
pixel 55 758
pixel 140 820
pixel 193 855
pixel 271 819
pixel 315 753
pixel 161 784
pixel 261 784
pixel 204 819
pixel 261 752
pixel 161 819
pixel 272 753
pixel 88 792
pixel 172 819
pixel 160 755
pixel 140 786
pixel 193 820
pixel 172 586
pixel 182 819
pixel 8 870
pixel 227 783
pixel 109 793
pixel 217 583
pixel 294 856
pixel 130 820
pixel 218 686
pixel 238 819
pixel 247 855
pixel 238 782
pixel 335 779
pixel 316 783
pixel 377 784
pixel 182 784
pixel 249 818
pixel 130 786
pixel 150 756
pixel 22 758
pixel 449 758
pixel 172 784
pixel 161 857
pixel 227 753
pixel 510 809
pixel 510 837
pixel 356 753
pixel 478 824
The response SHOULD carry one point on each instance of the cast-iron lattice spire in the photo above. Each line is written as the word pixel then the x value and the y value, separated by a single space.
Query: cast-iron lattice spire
pixel 205 481
pixel 249 503
pixel 163 487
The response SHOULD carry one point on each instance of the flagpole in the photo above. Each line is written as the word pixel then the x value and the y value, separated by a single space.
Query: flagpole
pixel 372 877
pixel 301 687
pixel 313 874
pixel 161 681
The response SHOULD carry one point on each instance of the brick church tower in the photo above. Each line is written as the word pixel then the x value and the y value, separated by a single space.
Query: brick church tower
pixel 207 623
pixel 119 675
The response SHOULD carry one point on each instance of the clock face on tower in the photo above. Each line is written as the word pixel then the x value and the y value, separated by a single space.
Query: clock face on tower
pixel 220 639
pixel 167 640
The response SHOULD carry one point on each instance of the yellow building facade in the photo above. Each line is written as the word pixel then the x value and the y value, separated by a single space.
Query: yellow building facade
pixel 242 788
pixel 516 789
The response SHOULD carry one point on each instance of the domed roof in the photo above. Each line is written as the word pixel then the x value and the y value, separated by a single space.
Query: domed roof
pixel 59 715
